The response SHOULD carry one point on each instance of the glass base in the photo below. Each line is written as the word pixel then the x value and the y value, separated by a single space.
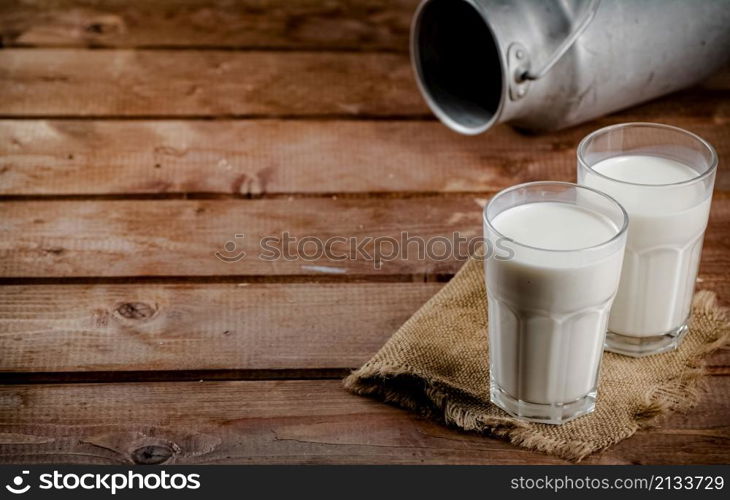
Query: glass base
pixel 557 413
pixel 638 347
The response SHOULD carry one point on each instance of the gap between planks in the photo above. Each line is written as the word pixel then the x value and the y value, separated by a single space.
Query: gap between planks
pixel 219 48
pixel 120 377
pixel 127 376
pixel 228 117
pixel 241 280
pixel 344 195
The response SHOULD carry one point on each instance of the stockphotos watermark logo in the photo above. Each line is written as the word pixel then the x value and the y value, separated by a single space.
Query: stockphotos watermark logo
pixel 18 485
pixel 375 249
pixel 111 482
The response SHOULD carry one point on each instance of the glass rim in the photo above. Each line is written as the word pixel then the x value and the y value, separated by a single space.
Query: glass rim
pixel 706 145
pixel 619 233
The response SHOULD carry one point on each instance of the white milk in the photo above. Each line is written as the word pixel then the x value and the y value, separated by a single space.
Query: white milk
pixel 666 226
pixel 548 313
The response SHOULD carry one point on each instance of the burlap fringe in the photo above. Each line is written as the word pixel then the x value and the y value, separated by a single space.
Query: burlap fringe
pixel 682 392
pixel 396 385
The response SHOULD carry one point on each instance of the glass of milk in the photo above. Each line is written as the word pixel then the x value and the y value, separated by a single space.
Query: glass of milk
pixel 663 176
pixel 554 254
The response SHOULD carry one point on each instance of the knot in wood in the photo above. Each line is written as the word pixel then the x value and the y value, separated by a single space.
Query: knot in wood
pixel 135 310
pixel 152 454
pixel 105 25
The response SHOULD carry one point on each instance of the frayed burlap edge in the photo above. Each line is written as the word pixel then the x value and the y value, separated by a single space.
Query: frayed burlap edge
pixel 683 392
pixel 436 399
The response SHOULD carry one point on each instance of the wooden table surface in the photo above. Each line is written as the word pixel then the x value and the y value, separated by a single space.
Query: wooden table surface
pixel 137 138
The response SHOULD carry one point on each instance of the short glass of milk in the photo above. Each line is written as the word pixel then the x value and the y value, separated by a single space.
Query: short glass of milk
pixel 552 270
pixel 663 176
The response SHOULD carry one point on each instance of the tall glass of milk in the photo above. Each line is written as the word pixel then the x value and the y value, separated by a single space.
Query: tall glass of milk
pixel 663 176
pixel 552 270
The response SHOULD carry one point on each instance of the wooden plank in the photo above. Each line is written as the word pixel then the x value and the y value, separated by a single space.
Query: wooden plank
pixel 247 326
pixel 263 157
pixel 291 422
pixel 697 436
pixel 210 330
pixel 266 157
pixel 181 237
pixel 384 236
pixel 148 83
pixel 73 82
pixel 280 24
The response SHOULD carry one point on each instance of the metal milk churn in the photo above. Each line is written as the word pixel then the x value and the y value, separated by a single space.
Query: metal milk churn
pixel 547 64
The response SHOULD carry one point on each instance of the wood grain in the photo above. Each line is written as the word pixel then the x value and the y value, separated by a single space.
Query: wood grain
pixel 108 238
pixel 264 157
pixel 212 330
pixel 291 422
pixel 279 24
pixel 69 82
pixel 190 327
pixel 149 83
pixel 181 237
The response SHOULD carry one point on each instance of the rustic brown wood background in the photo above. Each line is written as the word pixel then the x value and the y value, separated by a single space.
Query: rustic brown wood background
pixel 136 138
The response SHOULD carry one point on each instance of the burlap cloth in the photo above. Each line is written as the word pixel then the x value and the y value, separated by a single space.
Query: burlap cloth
pixel 437 364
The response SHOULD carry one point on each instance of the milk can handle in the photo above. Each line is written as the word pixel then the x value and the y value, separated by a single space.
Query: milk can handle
pixel 565 46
